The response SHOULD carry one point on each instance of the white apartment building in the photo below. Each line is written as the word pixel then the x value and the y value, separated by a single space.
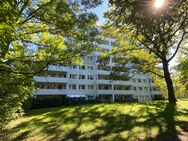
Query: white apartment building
pixel 91 81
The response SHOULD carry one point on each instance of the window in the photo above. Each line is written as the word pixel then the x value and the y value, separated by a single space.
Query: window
pixel 104 87
pixel 81 76
pixel 82 67
pixel 140 88
pixel 106 68
pixel 146 88
pixel 134 80
pixel 90 67
pixel 134 88
pixel 90 58
pixel 82 87
pixel 41 85
pixel 59 86
pixel 73 67
pixel 90 87
pixel 155 88
pixel 139 80
pixel 50 86
pixel 64 75
pixel 90 77
pixel 121 87
pixel 51 74
pixel 103 77
pixel 144 80
pixel 151 89
pixel 72 87
pixel 73 76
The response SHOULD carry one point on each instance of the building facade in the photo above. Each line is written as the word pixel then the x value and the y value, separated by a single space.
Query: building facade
pixel 91 80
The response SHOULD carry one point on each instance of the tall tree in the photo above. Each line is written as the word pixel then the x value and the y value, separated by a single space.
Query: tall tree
pixel 151 33
pixel 34 34
pixel 182 69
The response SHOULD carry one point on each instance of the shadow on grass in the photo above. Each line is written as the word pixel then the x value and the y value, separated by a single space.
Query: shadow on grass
pixel 167 117
pixel 132 121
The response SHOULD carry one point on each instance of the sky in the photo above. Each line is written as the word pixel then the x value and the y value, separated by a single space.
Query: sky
pixel 99 10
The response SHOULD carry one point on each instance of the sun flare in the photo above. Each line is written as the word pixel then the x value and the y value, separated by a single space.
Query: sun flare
pixel 159 3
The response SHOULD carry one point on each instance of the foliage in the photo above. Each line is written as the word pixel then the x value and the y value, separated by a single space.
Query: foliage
pixel 34 34
pixel 156 120
pixel 158 97
pixel 81 101
pixel 147 36
pixel 57 101
pixel 183 67
pixel 46 102
pixel 182 72
pixel 14 91
pixel 162 86
pixel 180 88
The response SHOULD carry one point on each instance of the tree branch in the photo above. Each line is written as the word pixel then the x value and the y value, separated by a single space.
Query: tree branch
pixel 149 48
pixel 31 15
pixel 178 46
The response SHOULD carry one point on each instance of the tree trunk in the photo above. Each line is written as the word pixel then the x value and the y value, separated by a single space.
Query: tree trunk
pixel 169 83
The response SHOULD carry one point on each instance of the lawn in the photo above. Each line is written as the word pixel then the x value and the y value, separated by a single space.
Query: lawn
pixel 104 122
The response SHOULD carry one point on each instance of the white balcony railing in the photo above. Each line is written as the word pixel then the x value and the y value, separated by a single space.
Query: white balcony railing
pixel 64 92
pixel 51 92
pixel 51 79
pixel 57 68
pixel 122 92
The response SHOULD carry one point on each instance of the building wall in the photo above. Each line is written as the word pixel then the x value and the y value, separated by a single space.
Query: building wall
pixel 92 81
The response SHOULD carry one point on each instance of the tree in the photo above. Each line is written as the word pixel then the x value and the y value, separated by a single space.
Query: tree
pixel 182 70
pixel 34 34
pixel 149 36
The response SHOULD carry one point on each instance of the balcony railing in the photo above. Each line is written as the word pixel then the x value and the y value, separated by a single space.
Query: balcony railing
pixel 115 92
pixel 51 79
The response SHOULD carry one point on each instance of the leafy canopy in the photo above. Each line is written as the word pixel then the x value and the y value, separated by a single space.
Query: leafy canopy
pixel 34 34
pixel 149 37
pixel 159 31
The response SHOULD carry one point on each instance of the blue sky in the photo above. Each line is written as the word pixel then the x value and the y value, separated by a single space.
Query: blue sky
pixel 100 10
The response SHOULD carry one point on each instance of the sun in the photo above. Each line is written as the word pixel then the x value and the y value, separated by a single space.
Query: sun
pixel 159 3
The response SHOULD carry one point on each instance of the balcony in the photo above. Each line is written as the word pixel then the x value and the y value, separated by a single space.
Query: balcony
pixel 57 68
pixel 114 82
pixel 81 81
pixel 64 92
pixel 156 92
pixel 81 92
pixel 103 72
pixel 51 79
pixel 116 92
pixel 51 92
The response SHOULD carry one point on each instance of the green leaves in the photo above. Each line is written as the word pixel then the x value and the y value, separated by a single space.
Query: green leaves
pixel 155 34
pixel 160 29
pixel 33 35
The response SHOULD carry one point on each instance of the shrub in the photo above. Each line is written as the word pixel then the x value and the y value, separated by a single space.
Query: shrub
pixel 56 101
pixel 46 101
pixel 158 97
pixel 76 101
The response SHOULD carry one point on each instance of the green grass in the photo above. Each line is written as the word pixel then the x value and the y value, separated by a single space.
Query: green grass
pixel 118 121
